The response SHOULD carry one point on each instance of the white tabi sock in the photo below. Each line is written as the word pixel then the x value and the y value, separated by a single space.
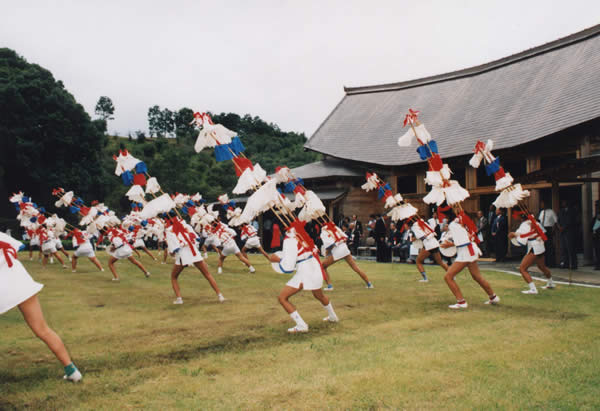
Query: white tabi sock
pixel 550 282
pixel 330 311
pixel 532 286
pixel 298 320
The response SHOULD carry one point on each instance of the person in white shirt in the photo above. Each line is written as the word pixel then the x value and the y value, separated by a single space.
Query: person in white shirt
pixel 527 235
pixel 548 220
pixel 226 236
pixel 18 289
pixel 298 256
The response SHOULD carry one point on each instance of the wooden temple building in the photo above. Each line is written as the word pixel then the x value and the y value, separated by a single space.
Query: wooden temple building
pixel 541 107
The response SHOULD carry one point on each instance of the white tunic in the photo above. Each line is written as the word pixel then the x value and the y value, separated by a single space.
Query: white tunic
pixel 534 242
pixel 122 248
pixel 250 234
pixel 308 271
pixel 178 246
pixel 338 250
pixel 428 239
pixel 16 285
pixel 467 251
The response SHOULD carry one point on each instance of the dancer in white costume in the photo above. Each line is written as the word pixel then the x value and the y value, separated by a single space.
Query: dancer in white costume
pixel 18 289
pixel 83 248
pixel 226 236
pixel 138 241
pixel 308 277
pixel 528 235
pixel 336 251
pixel 250 235
pixel 120 250
pixel 182 244
pixel 431 247
pixel 466 256
pixel 49 246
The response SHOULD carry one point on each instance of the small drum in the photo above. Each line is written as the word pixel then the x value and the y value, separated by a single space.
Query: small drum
pixel 447 252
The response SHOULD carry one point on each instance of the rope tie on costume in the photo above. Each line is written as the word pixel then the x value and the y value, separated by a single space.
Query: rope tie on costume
pixel 8 251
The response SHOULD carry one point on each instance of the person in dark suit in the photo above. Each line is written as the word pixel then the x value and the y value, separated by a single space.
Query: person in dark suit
pixel 394 239
pixel 567 226
pixel 490 240
pixel 380 236
pixel 500 235
pixel 357 225
pixel 596 236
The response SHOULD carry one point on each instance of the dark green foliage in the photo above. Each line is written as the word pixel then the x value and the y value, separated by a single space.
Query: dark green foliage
pixel 105 108
pixel 46 138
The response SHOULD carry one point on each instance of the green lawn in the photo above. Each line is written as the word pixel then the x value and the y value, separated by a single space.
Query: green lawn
pixel 397 346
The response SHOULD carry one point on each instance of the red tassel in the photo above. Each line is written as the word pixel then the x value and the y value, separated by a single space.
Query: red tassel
pixel 332 229
pixel 499 174
pixel 469 225
pixel 84 210
pixel 435 163
pixel 537 227
pixel 479 146
pixel 241 164
pixel 139 180
pixel 440 212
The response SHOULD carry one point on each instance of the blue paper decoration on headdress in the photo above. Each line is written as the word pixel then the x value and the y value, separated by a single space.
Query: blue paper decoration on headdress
pixel 127 178
pixel 25 199
pixel 130 228
pixel 224 152
pixel 42 210
pixel 493 167
pixel 184 209
pixel 73 209
pixel 144 223
pixel 190 203
pixel 33 219
pixel 289 187
pixel 382 190
pixel 141 167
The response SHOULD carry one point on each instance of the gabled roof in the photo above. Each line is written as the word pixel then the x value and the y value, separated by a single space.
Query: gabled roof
pixel 326 168
pixel 514 100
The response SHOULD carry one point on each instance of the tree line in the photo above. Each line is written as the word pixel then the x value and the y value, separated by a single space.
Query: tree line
pixel 48 140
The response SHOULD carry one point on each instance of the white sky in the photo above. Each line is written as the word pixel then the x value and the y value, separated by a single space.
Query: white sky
pixel 285 61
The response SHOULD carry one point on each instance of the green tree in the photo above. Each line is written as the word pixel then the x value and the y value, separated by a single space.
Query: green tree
pixel 105 108
pixel 154 120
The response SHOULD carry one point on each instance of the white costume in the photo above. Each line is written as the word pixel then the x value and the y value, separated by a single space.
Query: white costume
pixel 178 245
pixel 467 251
pixel 338 250
pixel 211 239
pixel 534 243
pixel 83 247
pixel 16 285
pixel 122 249
pixel 250 234
pixel 49 244
pixel 308 271
pixel 226 237
pixel 428 238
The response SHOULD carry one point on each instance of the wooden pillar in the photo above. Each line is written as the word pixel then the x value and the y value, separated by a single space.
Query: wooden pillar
pixel 533 163
pixel 586 207
pixel 470 178
pixel 421 188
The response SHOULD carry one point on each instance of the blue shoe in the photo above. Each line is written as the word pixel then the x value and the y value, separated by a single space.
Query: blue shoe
pixel 328 288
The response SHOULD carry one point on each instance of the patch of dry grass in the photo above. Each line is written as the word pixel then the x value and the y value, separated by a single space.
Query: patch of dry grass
pixel 397 346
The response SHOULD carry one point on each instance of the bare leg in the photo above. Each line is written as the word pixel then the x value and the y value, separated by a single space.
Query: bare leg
pixel 453 270
pixel 111 265
pixel 319 295
pixel 177 269
pixel 326 263
pixel 74 262
pixel 244 252
pixel 243 259
pixel 165 255
pixel 44 260
pixel 201 265
pixel 138 264
pixel 30 252
pixel 437 257
pixel 59 258
pixel 423 254
pixel 221 259
pixel 149 253
pixel 64 252
pixel 32 312
pixel 96 263
pixel 476 275
pixel 526 262
pixel 356 268
pixel 263 252
pixel 136 252
pixel 284 296
pixel 542 266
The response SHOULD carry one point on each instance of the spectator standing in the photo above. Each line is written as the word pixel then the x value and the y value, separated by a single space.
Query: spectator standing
pixel 353 238
pixel 482 230
pixel 380 236
pixel 548 220
pixel 394 240
pixel 567 226
pixel 491 216
pixel 500 235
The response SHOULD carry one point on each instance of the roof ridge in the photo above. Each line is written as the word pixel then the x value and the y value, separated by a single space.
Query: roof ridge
pixel 482 68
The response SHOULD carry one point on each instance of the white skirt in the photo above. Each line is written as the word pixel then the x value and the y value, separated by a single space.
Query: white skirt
pixel 230 248
pixel 252 242
pixel 463 255
pixel 139 243
pixel 185 256
pixel 58 244
pixel 212 241
pixel 85 250
pixel 16 285
pixel 339 251
pixel 122 252
pixel 308 274
pixel 537 246
pixel 431 243
pixel 35 241
pixel 48 247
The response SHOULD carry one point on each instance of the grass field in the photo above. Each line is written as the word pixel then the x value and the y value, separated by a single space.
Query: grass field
pixel 397 346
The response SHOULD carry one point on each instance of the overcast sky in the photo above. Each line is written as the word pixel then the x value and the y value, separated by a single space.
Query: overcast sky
pixel 285 61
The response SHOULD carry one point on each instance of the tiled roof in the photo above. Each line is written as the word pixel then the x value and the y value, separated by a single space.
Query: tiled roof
pixel 512 101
